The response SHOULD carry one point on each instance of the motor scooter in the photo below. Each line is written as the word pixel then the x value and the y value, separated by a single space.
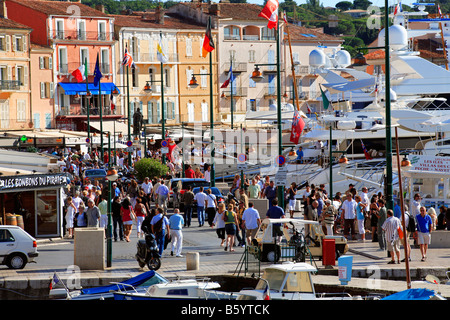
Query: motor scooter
pixel 148 253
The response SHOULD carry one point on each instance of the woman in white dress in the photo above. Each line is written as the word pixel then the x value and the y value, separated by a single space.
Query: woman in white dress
pixel 71 210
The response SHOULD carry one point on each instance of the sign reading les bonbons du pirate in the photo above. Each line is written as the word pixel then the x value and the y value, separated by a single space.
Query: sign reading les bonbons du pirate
pixel 34 181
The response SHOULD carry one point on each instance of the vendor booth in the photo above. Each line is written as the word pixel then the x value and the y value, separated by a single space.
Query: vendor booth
pixel 428 176
pixel 36 200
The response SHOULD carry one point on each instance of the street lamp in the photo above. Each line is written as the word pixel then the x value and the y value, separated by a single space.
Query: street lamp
pixel 256 74
pixel 193 84
pixel 111 176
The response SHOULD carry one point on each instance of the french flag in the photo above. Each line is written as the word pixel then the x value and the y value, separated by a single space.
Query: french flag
pixel 229 79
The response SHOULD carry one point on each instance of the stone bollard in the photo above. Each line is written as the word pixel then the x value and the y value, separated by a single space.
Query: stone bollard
pixel 89 248
pixel 192 261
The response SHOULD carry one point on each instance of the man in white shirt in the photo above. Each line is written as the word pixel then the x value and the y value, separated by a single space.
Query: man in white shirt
pixel 349 215
pixel 147 187
pixel 365 200
pixel 163 194
pixel 208 174
pixel 211 205
pixel 415 205
pixel 200 198
pixel 251 222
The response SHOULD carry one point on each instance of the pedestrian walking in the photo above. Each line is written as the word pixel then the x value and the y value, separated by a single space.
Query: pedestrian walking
pixel 160 227
pixel 127 213
pixel 382 216
pixel 92 214
pixel 251 222
pixel 200 198
pixel 328 217
pixel 70 215
pixel 140 212
pixel 162 194
pixel 188 201
pixel 424 228
pixel 211 206
pixel 292 191
pixel 391 228
pixel 176 223
pixel 231 227
pixel 219 223
pixel 117 219
pixel 349 215
pixel 360 217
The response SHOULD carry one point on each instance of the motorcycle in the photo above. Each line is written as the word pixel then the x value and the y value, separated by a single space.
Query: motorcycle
pixel 148 253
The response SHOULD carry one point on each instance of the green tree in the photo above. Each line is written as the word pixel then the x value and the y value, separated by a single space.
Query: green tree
pixel 344 5
pixel 361 4
pixel 148 167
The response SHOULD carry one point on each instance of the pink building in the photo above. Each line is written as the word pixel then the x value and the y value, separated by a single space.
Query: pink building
pixel 77 34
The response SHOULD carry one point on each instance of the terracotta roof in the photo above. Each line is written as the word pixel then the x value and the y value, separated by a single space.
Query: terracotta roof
pixel 375 55
pixel 238 11
pixel 148 20
pixel 303 33
pixel 10 24
pixel 60 8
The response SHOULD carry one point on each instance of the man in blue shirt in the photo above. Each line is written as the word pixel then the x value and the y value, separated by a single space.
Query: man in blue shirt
pixel 424 224
pixel 300 155
pixel 276 212
pixel 176 223
pixel 270 192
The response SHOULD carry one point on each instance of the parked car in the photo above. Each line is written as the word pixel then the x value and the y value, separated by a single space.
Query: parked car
pixel 17 247
pixel 182 185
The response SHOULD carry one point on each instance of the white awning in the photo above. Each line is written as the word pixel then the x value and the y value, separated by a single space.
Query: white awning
pixel 349 85
pixel 112 126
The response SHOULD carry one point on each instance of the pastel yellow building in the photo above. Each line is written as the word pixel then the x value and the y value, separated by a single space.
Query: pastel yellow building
pixel 15 108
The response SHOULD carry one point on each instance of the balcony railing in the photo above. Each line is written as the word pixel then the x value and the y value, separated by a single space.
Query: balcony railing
pixel 67 68
pixel 250 37
pixel 237 66
pixel 232 37
pixel 237 92
pixel 9 85
pixel 152 58
pixel 78 110
pixel 83 35
pixel 270 91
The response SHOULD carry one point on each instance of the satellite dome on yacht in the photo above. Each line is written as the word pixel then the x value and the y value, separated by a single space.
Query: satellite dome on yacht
pixel 398 37
pixel 317 58
pixel 343 58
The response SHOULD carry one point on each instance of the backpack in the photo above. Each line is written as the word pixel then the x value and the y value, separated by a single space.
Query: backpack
pixel 411 224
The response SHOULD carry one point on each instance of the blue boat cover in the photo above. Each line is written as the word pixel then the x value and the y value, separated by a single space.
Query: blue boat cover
pixel 134 281
pixel 73 88
pixel 411 294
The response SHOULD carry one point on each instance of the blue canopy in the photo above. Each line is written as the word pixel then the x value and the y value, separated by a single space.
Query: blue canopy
pixel 412 294
pixel 135 281
pixel 73 88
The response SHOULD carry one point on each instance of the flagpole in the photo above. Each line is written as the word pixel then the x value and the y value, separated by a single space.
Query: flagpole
pixel 280 191
pixel 211 111
pixel 294 79
pixel 101 112
pixel 129 112
pixel 163 120
pixel 231 94
pixel 88 106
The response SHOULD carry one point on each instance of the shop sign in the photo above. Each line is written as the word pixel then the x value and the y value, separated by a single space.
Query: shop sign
pixel 34 181
pixel 431 164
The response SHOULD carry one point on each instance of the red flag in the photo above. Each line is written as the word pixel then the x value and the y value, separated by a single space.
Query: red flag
pixel 270 12
pixel 297 127
pixel 208 43
pixel 366 153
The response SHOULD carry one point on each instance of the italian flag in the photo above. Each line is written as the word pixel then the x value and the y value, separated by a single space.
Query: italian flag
pixel 79 74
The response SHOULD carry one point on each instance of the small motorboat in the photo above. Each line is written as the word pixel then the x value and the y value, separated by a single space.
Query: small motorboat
pixel 289 281
pixel 415 294
pixel 139 283
pixel 189 289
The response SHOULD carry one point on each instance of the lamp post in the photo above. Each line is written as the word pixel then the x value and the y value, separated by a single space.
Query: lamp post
pixel 193 84
pixel 111 176
pixel 257 77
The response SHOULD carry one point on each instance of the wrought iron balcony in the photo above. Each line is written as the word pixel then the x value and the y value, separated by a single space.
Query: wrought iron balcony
pixel 6 85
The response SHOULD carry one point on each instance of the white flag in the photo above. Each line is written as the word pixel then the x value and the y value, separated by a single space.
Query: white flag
pixel 161 55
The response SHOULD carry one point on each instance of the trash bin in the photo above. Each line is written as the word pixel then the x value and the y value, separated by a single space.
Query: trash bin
pixel 345 269
pixel 328 252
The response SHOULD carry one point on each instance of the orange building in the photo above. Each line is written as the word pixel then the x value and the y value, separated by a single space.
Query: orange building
pixel 77 34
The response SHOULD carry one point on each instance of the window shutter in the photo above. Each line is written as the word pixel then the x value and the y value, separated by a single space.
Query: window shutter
pixel 8 43
pixel 24 43
pixel 13 39
pixel 52 90
pixel 41 63
pixel 150 111
pixel 25 76
pixel 173 110
pixel 158 111
pixel 42 90
pixel 50 62
pixel 48 120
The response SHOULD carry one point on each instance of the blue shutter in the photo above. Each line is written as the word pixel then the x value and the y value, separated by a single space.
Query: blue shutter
pixel 158 110
pixel 173 110
pixel 150 112
pixel 48 121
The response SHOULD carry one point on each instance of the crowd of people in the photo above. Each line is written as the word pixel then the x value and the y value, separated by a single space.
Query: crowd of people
pixel 144 205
